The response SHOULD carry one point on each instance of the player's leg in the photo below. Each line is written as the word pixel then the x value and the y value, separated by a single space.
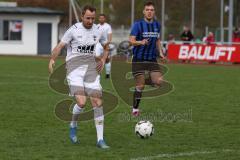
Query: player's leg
pixel 112 51
pixel 98 116
pixel 94 91
pixel 155 73
pixel 77 110
pixel 138 71
pixel 75 81
pixel 108 67
pixel 137 95
pixel 156 78
pixel 99 120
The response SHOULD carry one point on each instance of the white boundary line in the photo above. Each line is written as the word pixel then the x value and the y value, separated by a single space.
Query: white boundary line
pixel 181 154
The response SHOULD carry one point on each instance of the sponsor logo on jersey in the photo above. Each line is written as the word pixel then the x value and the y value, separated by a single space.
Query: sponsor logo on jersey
pixel 150 34
pixel 86 49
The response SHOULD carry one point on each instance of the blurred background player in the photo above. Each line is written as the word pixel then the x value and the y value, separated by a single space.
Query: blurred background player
pixel 82 71
pixel 107 29
pixel 145 37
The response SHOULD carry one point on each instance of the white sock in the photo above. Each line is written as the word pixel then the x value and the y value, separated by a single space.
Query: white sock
pixel 99 122
pixel 135 110
pixel 76 111
pixel 108 67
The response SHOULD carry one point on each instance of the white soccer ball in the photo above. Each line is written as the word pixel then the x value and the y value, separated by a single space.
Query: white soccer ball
pixel 144 129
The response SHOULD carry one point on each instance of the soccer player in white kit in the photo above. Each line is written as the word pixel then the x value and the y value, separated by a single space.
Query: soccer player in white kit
pixel 107 29
pixel 82 69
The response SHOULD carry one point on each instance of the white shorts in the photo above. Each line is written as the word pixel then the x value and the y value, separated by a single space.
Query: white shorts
pixel 84 80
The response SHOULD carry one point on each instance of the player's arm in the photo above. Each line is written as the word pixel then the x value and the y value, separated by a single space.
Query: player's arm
pixel 134 33
pixel 134 42
pixel 55 53
pixel 109 37
pixel 160 50
pixel 109 33
pixel 105 52
pixel 103 59
pixel 104 42
pixel 67 37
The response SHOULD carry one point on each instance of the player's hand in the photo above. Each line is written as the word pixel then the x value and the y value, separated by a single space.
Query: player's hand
pixel 107 44
pixel 145 42
pixel 163 59
pixel 51 65
pixel 100 65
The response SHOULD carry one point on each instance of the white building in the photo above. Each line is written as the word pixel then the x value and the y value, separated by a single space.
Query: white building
pixel 27 30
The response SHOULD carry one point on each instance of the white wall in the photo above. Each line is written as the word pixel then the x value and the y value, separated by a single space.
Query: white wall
pixel 28 45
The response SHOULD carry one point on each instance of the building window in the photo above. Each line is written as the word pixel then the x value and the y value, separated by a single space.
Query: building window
pixel 11 30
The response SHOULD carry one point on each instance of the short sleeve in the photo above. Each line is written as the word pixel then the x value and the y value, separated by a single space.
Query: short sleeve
pixel 102 39
pixel 109 31
pixel 67 37
pixel 135 30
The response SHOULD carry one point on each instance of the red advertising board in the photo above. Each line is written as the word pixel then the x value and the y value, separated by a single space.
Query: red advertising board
pixel 218 53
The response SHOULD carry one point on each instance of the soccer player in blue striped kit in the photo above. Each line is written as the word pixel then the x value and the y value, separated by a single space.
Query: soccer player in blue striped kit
pixel 145 37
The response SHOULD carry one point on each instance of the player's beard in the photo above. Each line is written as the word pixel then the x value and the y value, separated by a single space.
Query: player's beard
pixel 88 26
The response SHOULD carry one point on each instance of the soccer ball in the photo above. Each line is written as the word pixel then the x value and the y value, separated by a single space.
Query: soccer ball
pixel 144 129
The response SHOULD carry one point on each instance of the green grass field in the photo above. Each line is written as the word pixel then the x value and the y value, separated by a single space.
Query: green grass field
pixel 208 95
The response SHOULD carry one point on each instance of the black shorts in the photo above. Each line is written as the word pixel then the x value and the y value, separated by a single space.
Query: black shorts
pixel 141 67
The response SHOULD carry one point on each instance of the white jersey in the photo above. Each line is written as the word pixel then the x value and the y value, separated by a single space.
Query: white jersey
pixel 81 41
pixel 107 29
